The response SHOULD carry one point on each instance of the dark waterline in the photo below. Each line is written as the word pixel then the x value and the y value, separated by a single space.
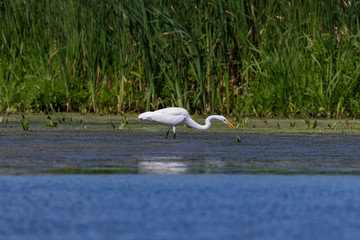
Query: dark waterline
pixel 179 207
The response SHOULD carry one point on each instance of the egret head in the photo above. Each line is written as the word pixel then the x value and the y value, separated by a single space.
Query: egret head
pixel 224 120
pixel 228 123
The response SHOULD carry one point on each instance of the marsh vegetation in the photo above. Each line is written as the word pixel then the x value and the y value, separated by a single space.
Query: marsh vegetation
pixel 245 58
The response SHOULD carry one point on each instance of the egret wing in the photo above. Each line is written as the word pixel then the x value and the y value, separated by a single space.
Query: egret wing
pixel 174 111
pixel 168 116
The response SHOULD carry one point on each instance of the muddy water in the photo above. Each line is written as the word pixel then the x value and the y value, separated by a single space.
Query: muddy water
pixel 136 151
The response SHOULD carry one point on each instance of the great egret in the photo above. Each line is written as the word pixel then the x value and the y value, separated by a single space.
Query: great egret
pixel 174 116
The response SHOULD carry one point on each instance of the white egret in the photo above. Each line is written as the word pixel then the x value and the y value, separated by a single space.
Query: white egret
pixel 174 116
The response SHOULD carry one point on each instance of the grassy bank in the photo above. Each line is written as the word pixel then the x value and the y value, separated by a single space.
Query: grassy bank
pixel 15 123
pixel 258 58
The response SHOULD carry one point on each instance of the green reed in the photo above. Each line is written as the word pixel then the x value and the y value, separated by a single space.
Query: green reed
pixel 259 58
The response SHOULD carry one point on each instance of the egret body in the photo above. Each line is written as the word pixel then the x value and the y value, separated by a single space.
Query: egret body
pixel 174 116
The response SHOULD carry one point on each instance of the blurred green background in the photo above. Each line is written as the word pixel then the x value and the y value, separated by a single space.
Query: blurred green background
pixel 239 58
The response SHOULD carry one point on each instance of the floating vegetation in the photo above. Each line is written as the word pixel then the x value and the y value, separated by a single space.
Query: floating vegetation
pixel 333 126
pixel 111 123
pixel 64 120
pixel 314 125
pixel 61 118
pixel 24 123
pixel 4 123
pixel 347 123
pixel 50 123
pixel 82 125
pixel 123 124
pixel 115 122
pixel 243 122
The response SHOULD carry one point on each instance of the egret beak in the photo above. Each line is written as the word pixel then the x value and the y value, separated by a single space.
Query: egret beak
pixel 230 124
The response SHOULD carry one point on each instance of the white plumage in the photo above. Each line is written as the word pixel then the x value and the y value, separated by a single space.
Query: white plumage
pixel 174 116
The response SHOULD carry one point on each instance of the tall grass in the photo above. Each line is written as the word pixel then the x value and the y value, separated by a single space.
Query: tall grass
pixel 261 58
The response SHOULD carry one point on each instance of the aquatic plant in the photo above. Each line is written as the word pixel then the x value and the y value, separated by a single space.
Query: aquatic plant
pixel 50 123
pixel 4 123
pixel 112 124
pixel 123 124
pixel 82 125
pixel 24 123
pixel 315 124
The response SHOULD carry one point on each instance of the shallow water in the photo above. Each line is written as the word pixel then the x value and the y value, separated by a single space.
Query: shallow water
pixel 102 183
pixel 179 207
pixel 130 151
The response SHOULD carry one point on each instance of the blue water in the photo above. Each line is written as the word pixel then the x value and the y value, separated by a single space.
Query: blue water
pixel 180 207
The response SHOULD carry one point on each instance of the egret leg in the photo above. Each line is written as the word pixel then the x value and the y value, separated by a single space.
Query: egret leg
pixel 167 134
pixel 174 130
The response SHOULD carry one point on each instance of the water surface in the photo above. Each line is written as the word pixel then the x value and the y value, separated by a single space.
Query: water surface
pixel 179 207
pixel 130 151
pixel 92 181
